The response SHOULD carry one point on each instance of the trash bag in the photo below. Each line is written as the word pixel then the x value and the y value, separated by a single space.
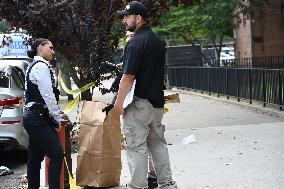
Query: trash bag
pixel 5 171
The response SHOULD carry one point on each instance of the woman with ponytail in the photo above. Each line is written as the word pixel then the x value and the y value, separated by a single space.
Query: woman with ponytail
pixel 42 116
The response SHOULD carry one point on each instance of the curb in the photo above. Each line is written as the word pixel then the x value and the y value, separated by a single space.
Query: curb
pixel 255 106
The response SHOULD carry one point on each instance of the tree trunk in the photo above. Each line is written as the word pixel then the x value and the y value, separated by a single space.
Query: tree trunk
pixel 86 95
pixel 192 42
pixel 218 48
pixel 71 72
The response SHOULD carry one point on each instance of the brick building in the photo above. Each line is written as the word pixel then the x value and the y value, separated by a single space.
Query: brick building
pixel 261 35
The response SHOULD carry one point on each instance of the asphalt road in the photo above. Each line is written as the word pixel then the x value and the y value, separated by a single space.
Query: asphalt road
pixel 15 162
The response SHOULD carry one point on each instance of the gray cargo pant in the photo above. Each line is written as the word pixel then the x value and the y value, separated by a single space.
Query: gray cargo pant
pixel 152 171
pixel 144 131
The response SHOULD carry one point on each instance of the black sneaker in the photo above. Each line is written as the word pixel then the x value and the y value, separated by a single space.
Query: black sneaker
pixel 171 184
pixel 152 183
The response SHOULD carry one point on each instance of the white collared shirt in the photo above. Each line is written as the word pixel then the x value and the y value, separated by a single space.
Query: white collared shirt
pixel 40 75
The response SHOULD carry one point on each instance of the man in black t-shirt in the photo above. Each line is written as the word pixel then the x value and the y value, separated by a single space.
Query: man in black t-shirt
pixel 144 62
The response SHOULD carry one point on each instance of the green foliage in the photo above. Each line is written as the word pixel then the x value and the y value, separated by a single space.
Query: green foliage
pixel 85 32
pixel 210 21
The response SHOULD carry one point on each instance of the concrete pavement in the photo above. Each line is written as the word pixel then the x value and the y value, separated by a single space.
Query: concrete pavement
pixel 235 148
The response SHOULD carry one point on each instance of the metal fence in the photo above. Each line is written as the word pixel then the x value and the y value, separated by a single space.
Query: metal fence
pixel 272 62
pixel 254 84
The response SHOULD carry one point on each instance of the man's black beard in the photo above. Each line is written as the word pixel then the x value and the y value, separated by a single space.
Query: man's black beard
pixel 131 29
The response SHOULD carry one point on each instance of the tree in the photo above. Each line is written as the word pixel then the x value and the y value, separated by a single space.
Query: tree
pixel 247 6
pixel 209 23
pixel 85 32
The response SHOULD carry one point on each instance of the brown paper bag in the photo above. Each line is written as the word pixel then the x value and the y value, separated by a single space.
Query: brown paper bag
pixel 172 97
pixel 99 156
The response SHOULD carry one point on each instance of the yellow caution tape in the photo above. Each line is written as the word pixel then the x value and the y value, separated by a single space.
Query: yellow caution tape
pixel 71 104
pixel 166 110
pixel 71 180
pixel 76 91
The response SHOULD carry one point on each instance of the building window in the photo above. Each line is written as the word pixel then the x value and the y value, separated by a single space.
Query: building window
pixel 257 39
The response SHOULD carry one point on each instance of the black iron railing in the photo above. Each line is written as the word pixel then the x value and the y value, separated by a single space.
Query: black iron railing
pixel 254 84
pixel 272 62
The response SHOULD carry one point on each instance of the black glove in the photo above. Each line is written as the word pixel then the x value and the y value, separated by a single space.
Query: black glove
pixel 115 85
pixel 107 108
pixel 106 67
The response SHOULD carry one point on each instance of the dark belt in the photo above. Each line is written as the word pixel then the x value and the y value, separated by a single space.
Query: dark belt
pixel 37 108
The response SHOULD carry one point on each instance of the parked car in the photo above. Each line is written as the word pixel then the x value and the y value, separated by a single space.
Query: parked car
pixel 12 80
pixel 227 57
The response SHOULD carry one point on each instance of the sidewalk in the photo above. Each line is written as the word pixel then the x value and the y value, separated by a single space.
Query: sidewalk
pixel 235 148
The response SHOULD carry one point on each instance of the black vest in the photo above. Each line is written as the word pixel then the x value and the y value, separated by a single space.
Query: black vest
pixel 32 93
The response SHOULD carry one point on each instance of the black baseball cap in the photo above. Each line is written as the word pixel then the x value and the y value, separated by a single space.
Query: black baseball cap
pixel 134 8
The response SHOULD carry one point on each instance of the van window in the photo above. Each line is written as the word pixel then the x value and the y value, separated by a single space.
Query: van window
pixel 18 77
pixel 4 80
